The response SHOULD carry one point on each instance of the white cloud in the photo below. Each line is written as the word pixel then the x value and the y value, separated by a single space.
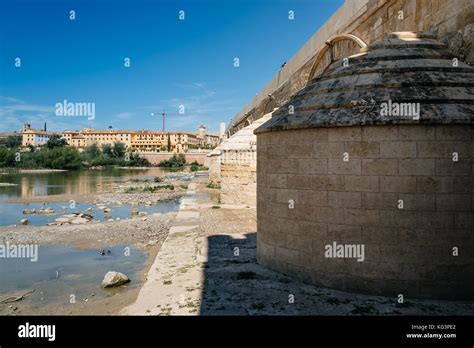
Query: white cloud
pixel 124 115
pixel 14 113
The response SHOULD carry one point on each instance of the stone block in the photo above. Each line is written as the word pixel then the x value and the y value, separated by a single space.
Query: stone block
pixel 418 201
pixel 398 149
pixel 338 166
pixel 310 197
pixel 434 184
pixel 435 149
pixel 417 167
pixel 449 167
pixel 361 217
pixel 299 181
pixel 379 166
pixel 362 149
pixel 345 134
pixel 328 150
pixel 453 202
pixel 416 132
pixel 301 150
pixel 361 183
pixel 312 166
pixel 398 218
pixel 379 200
pixel 453 132
pixel 326 182
pixel 344 199
pixel 380 133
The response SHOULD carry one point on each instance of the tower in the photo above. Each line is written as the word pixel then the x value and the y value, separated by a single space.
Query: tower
pixel 202 130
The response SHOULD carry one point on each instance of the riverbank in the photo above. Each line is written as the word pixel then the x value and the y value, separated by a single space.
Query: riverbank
pixel 33 171
pixel 138 233
pixel 146 236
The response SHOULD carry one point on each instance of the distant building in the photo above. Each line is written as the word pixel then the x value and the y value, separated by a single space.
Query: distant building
pixel 35 137
pixel 208 139
pixel 139 140
pixel 4 137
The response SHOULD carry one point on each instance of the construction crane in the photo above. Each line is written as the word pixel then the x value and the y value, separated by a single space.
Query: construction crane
pixel 163 114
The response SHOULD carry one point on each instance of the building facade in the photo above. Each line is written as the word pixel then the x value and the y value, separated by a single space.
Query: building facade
pixel 146 141
pixel 34 137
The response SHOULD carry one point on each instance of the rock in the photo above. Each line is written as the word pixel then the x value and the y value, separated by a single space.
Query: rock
pixel 69 216
pixel 107 210
pixel 87 216
pixel 117 219
pixel 113 279
pixel 110 220
pixel 148 203
pixel 63 207
pixel 29 211
pixel 62 220
pixel 46 211
pixel 142 213
pixel 134 212
pixel 144 218
pixel 79 220
pixel 24 221
pixel 89 209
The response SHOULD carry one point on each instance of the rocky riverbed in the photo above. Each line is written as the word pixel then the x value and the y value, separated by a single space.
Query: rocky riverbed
pixel 139 231
pixel 79 227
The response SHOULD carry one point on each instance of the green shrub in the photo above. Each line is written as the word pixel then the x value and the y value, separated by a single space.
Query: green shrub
pixel 177 161
pixel 212 185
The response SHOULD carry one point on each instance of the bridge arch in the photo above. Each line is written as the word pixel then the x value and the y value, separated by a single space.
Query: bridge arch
pixel 329 47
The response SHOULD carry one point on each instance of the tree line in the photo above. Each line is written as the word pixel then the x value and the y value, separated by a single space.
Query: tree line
pixel 55 154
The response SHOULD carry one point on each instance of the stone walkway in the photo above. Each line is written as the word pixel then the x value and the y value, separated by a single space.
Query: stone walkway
pixel 173 284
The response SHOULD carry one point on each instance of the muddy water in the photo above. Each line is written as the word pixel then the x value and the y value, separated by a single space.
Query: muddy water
pixel 62 274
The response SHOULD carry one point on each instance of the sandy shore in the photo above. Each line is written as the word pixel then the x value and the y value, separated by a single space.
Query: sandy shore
pixel 26 171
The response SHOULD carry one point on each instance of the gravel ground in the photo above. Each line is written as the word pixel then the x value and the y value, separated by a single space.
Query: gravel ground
pixel 139 231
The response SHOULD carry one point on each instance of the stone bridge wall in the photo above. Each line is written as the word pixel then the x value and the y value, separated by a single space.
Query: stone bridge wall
pixel 370 20
pixel 156 158
pixel 407 250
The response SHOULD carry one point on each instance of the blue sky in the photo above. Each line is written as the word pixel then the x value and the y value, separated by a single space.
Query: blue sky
pixel 173 62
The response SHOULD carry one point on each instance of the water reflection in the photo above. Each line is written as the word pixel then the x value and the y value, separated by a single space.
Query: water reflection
pixel 30 185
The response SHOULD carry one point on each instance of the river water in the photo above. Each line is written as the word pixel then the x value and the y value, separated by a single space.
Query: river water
pixel 62 270
pixel 31 185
